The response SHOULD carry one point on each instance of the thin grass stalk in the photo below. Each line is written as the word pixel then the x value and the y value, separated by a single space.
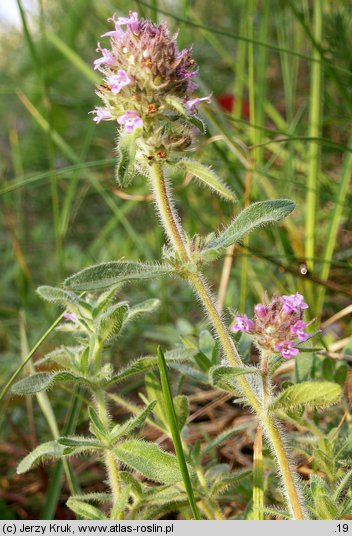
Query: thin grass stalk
pixel 244 261
pixel 334 223
pixel 253 138
pixel 55 483
pixel 44 404
pixel 314 131
pixel 26 360
pixel 169 219
pixel 172 419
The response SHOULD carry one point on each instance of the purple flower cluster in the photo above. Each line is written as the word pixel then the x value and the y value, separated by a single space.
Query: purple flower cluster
pixel 148 85
pixel 277 326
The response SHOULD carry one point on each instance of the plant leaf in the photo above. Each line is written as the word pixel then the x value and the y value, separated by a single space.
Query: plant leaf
pixel 222 437
pixel 144 364
pixel 182 410
pixel 94 497
pixel 220 374
pixel 209 178
pixel 149 460
pixel 256 215
pixel 95 424
pixel 146 306
pixel 110 322
pixel 50 449
pixel 57 295
pixel 312 394
pixel 78 442
pixel 85 510
pixel 110 273
pixel 121 502
pixel 121 430
pixel 224 482
pixel 125 169
pixel 43 380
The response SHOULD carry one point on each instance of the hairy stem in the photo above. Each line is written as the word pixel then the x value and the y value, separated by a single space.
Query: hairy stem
pixel 109 458
pixel 174 232
pixel 258 476
pixel 110 461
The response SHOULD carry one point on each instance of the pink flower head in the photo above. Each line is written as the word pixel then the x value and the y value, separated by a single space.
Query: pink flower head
pixel 261 310
pixel 298 330
pixel 131 21
pixel 101 115
pixel 70 317
pixel 193 103
pixel 118 81
pixel 130 120
pixel 107 58
pixel 293 303
pixel 242 323
pixel 287 349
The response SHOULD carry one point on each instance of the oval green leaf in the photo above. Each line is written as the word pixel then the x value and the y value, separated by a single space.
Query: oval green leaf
pixel 149 460
pixel 311 394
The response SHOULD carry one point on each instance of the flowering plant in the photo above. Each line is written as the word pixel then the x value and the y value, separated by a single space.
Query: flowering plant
pixel 148 91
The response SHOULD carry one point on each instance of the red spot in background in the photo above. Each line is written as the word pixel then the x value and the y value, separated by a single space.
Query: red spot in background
pixel 227 103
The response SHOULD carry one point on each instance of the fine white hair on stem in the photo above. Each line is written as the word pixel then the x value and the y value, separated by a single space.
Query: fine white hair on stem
pixel 295 477
pixel 170 207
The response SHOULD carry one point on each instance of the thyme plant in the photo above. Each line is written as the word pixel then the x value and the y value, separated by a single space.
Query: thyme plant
pixel 148 89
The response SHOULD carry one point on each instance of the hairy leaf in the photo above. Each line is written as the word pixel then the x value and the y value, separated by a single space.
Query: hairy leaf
pixel 51 449
pixel 57 295
pixel 110 322
pixel 125 169
pixel 43 380
pixel 312 394
pixel 220 373
pixel 85 510
pixel 325 508
pixel 135 485
pixel 209 178
pixel 121 502
pixel 77 442
pixel 149 460
pixel 224 482
pixel 222 437
pixel 256 215
pixel 144 364
pixel 105 299
pixel 146 306
pixel 110 273
pixel 121 430
pixel 94 497
pixel 95 425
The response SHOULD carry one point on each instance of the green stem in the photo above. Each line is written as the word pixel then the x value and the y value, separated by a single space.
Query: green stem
pixel 258 465
pixel 109 458
pixel 176 236
pixel 258 476
pixel 175 432
pixel 111 463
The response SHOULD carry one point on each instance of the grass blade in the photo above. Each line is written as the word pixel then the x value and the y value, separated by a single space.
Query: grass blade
pixel 170 410
pixel 314 148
